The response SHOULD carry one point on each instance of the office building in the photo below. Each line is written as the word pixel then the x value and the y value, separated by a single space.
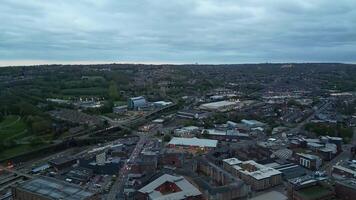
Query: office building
pixel 258 176
pixel 309 161
pixel 193 144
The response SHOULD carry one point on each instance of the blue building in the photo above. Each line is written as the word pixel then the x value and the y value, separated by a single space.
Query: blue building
pixel 136 103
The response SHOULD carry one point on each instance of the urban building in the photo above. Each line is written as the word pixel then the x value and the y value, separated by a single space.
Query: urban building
pixel 100 158
pixel 137 103
pixel 258 176
pixel 252 123
pixel 50 189
pixel 193 145
pixel 309 188
pixel 62 162
pixel 225 135
pixel 192 114
pixel 119 109
pixel 309 161
pixel 188 131
pixel 291 170
pixel 215 182
pixel 171 157
pixel 161 104
pixel 169 187
pixel 346 189
pixel 345 169
pixel 219 106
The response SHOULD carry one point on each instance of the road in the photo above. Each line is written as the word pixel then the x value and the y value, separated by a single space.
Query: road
pixel 15 172
pixel 117 187
pixel 344 155
pixel 297 129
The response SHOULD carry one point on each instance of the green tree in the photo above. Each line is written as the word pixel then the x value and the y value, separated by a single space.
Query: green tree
pixel 167 138
pixel 113 91
pixel 205 134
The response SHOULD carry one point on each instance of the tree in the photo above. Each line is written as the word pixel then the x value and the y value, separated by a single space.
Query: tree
pixel 205 134
pixel 113 91
pixel 167 138
pixel 158 133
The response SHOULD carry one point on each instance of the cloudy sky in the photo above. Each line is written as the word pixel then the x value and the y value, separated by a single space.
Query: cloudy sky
pixel 177 31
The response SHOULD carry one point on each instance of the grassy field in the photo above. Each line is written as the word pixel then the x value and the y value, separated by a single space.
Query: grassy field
pixel 15 135
pixel 12 127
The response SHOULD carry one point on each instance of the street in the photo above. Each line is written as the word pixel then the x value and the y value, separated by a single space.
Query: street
pixel 117 187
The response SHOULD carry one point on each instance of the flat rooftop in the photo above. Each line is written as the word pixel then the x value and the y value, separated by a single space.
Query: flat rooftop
pixel 260 172
pixel 309 156
pixel 61 160
pixel 55 189
pixel 348 182
pixel 186 189
pixel 217 105
pixel 193 142
pixel 232 161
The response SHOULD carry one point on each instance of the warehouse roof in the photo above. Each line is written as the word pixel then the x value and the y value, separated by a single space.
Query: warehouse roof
pixel 193 142
pixel 55 189
pixel 186 188
pixel 217 105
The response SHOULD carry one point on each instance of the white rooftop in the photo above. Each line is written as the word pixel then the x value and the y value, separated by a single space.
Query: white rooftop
pixel 190 128
pixel 164 103
pixel 193 142
pixel 232 161
pixel 252 122
pixel 309 156
pixel 187 189
pixel 215 132
pixel 261 171
pixel 314 145
pixel 348 170
pixel 217 105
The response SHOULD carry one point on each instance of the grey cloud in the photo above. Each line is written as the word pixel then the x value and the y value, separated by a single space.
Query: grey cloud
pixel 204 31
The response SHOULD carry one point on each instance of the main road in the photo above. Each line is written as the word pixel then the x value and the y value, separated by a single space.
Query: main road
pixel 118 186
pixel 299 126
pixel 344 155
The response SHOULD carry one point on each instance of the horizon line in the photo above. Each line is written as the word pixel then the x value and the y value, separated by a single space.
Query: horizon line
pixel 29 63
